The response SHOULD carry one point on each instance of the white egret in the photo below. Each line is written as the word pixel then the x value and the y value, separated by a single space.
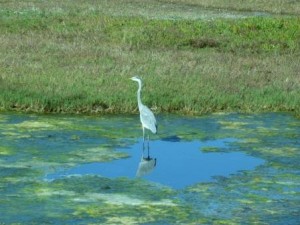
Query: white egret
pixel 146 115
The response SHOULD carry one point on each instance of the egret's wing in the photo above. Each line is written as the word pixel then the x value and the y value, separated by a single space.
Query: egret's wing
pixel 148 119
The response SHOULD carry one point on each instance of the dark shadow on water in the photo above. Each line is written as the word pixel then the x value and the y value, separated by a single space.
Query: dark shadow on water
pixel 174 164
pixel 172 139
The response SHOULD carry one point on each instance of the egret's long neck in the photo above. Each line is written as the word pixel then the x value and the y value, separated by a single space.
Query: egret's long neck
pixel 139 94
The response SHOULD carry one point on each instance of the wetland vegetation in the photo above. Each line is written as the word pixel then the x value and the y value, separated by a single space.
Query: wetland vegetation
pixel 77 56
pixel 34 148
pixel 196 57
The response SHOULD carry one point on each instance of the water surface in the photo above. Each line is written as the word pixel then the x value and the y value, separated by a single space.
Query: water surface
pixel 174 164
pixel 220 168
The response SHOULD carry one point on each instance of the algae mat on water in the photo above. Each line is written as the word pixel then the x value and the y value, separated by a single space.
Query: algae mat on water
pixel 33 146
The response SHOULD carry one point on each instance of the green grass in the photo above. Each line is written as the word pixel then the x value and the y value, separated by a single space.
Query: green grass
pixel 272 6
pixel 77 58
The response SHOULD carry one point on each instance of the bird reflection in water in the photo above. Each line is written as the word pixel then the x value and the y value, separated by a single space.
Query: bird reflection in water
pixel 146 165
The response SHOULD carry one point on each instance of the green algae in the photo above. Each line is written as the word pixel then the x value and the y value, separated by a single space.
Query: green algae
pixel 3 118
pixel 33 146
pixel 4 151
pixel 232 124
pixel 14 135
pixel 210 149
pixel 33 125
pixel 285 151
pixel 97 154
pixel 108 199
pixel 250 193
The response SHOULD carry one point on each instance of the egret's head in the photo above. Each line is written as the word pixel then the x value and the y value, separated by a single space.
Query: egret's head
pixel 136 78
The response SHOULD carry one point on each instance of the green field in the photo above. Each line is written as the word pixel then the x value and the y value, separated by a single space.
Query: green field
pixel 78 56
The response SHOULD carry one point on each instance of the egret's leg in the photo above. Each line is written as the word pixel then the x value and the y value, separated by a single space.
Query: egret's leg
pixel 148 147
pixel 148 141
pixel 143 139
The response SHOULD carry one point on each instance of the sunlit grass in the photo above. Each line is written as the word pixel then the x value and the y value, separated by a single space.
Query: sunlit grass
pixel 65 57
pixel 274 6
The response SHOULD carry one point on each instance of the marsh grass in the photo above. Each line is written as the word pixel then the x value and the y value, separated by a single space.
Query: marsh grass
pixel 273 6
pixel 67 57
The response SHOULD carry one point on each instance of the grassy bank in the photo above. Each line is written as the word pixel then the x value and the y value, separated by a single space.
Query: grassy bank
pixel 77 57
pixel 272 6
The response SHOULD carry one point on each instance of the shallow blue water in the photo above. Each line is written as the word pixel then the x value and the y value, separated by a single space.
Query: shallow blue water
pixel 177 164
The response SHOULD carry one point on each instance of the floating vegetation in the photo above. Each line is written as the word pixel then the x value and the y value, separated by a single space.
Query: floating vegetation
pixel 2 118
pixel 210 149
pixel 34 125
pixel 232 124
pixel 33 146
pixel 4 151
pixel 98 154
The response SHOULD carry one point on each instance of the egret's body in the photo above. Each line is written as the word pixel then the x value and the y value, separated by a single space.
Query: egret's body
pixel 146 115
